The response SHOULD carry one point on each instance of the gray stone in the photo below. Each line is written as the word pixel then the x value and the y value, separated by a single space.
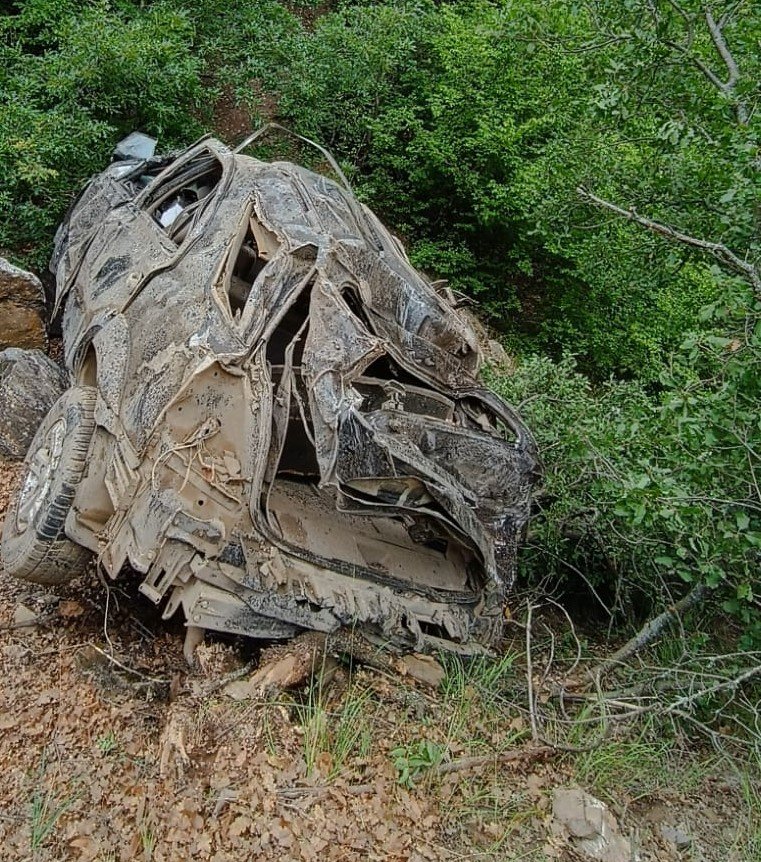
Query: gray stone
pixel 676 835
pixel 588 826
pixel 30 383
pixel 23 617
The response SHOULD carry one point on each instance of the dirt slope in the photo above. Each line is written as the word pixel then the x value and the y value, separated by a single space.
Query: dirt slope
pixel 110 749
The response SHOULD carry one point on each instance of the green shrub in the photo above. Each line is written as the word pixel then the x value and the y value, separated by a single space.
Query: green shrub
pixel 645 495
pixel 75 79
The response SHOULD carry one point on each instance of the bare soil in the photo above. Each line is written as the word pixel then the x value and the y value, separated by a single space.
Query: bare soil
pixel 112 749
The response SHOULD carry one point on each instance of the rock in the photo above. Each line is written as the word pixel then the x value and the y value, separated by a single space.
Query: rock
pixel 588 825
pixel 22 308
pixel 29 385
pixel 496 353
pixel 23 617
pixel 423 668
pixel 676 835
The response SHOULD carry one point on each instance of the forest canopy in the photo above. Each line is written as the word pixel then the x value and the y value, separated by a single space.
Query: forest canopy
pixel 541 157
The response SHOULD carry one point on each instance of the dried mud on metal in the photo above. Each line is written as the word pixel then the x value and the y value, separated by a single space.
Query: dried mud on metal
pixel 272 416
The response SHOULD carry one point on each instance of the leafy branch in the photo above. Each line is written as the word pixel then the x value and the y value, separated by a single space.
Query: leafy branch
pixel 720 251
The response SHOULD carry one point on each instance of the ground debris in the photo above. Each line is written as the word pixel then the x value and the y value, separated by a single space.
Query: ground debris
pixel 588 825
pixel 102 763
pixel 282 667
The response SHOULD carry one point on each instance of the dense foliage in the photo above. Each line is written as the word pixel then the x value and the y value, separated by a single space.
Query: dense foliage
pixel 470 127
pixel 646 494
pixel 74 78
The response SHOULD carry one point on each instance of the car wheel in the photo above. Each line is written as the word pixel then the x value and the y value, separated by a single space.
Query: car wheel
pixel 34 546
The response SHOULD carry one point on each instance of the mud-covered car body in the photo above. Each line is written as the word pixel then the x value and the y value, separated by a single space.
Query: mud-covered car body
pixel 289 429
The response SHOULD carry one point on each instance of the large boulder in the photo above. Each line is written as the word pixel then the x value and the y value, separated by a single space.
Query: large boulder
pixel 22 308
pixel 30 383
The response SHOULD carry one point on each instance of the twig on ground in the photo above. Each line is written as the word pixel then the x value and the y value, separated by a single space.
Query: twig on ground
pixel 107 587
pixel 29 624
pixel 463 763
pixel 550 658
pixel 126 668
pixel 319 790
pixel 650 632
pixel 530 677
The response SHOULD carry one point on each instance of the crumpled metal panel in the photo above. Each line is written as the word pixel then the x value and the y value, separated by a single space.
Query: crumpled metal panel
pixel 265 353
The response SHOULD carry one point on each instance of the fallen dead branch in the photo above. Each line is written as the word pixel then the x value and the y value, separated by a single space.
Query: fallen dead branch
pixel 130 670
pixel 524 754
pixel 322 789
pixel 530 677
pixel 651 631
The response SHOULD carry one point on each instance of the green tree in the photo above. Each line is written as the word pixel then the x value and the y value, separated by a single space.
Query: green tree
pixel 75 78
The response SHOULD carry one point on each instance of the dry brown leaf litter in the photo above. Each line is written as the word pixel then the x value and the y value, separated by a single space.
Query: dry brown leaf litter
pixel 111 750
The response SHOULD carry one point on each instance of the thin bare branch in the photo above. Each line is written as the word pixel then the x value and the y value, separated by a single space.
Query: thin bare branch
pixel 130 670
pixel 728 86
pixel 688 23
pixel 577 642
pixel 464 763
pixel 717 249
pixel 730 685
pixel 714 28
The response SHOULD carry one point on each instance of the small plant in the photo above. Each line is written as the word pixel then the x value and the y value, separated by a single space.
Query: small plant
pixel 351 732
pixel 147 841
pixel 749 834
pixel 270 730
pixel 414 759
pixel 108 743
pixel 477 695
pixel 45 810
pixel 332 736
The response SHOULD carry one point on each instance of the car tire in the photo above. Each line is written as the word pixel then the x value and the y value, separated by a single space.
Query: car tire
pixel 34 545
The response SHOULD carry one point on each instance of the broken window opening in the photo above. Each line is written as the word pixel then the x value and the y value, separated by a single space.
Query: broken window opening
pixel 249 253
pixel 290 326
pixel 298 459
pixel 174 200
pixel 351 298
pixel 433 630
pixel 248 264
pixel 385 368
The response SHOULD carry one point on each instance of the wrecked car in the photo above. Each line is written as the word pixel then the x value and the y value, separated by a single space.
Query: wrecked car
pixel 273 417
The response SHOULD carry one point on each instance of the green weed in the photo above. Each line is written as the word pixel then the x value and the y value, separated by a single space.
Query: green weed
pixel 44 811
pixel 414 759
pixel 477 700
pixel 334 734
pixel 108 743
pixel 147 841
